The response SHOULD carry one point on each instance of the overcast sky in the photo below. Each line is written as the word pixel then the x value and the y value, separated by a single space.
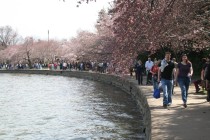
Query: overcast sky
pixel 62 19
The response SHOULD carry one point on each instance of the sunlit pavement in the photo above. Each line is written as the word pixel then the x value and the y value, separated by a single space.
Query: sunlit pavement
pixel 177 122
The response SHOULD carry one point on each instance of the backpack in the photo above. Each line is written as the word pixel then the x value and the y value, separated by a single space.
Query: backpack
pixel 156 93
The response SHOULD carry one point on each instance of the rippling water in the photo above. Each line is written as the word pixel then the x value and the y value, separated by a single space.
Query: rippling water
pixel 38 107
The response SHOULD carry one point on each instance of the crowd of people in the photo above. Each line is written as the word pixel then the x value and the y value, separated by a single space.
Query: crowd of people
pixel 101 67
pixel 9 66
pixel 163 74
pixel 81 66
pixel 166 73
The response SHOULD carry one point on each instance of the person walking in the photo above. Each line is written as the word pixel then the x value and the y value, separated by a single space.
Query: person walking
pixel 165 76
pixel 135 68
pixel 204 70
pixel 183 77
pixel 200 83
pixel 139 72
pixel 148 66
pixel 154 71
pixel 207 77
pixel 173 75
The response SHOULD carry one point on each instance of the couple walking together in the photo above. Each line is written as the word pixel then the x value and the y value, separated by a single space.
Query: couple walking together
pixel 170 72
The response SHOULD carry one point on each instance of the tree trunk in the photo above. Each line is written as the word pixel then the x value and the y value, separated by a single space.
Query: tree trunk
pixel 29 60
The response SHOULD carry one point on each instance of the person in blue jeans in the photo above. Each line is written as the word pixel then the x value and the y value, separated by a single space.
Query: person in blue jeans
pixel 165 76
pixel 183 77
pixel 154 71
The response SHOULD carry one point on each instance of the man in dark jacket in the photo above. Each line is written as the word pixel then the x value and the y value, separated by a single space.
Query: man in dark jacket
pixel 139 72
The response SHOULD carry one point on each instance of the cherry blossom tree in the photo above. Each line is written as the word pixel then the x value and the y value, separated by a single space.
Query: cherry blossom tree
pixel 26 50
pixel 157 25
pixel 10 54
pixel 133 27
pixel 31 51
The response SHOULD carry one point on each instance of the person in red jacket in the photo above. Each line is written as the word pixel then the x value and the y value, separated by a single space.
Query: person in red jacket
pixel 154 71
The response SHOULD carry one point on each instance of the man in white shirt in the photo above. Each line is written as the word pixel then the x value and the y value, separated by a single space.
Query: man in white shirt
pixel 148 66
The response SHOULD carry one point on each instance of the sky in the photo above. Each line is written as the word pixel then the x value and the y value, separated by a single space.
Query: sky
pixel 62 19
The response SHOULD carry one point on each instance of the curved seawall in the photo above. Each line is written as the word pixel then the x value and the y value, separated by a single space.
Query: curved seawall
pixel 125 84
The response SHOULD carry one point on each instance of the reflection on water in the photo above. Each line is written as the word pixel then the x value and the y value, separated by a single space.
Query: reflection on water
pixel 38 107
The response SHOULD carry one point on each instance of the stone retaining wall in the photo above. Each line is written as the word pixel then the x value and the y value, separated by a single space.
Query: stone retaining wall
pixel 123 83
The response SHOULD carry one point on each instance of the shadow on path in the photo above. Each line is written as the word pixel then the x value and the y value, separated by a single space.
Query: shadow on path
pixel 177 122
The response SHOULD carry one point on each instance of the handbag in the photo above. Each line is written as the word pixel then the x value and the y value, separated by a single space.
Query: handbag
pixel 156 93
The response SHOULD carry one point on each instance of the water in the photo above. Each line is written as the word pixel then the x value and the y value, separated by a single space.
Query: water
pixel 38 107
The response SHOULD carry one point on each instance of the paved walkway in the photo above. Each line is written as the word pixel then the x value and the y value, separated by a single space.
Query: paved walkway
pixel 177 122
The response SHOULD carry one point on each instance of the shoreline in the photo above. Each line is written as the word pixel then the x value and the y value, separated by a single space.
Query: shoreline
pixel 174 123
pixel 123 83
